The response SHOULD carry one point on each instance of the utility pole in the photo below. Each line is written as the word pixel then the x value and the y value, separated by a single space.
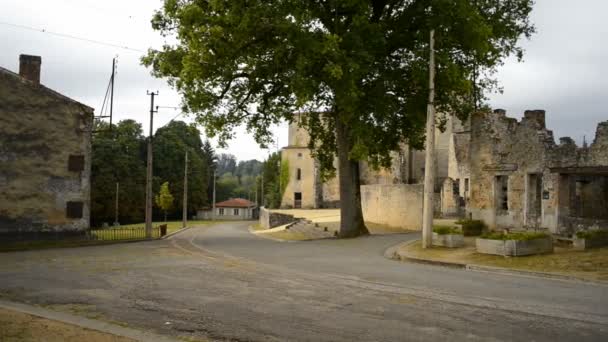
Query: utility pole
pixel 262 192
pixel 112 91
pixel 149 169
pixel 185 201
pixel 116 207
pixel 213 210
pixel 429 162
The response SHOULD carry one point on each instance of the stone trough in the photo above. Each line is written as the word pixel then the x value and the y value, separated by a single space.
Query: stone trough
pixel 514 247
pixel 448 240
pixel 584 244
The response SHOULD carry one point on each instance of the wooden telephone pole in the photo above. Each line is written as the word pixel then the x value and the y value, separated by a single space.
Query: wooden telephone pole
pixel 185 201
pixel 149 169
pixel 429 162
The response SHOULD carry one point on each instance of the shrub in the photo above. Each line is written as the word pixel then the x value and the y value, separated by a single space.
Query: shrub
pixel 592 234
pixel 523 236
pixel 472 227
pixel 445 230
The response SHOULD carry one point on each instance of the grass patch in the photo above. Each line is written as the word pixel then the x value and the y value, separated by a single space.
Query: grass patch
pixel 523 236
pixel 472 227
pixel 172 226
pixel 593 234
pixel 446 230
pixel 590 264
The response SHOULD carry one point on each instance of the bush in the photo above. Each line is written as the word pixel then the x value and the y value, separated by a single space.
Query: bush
pixel 472 227
pixel 445 230
pixel 524 236
pixel 592 234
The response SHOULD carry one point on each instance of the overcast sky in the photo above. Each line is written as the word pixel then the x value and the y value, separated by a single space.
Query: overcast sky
pixel 564 71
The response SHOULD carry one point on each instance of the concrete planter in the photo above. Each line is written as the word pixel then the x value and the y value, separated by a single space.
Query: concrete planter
pixel 448 240
pixel 584 244
pixel 514 247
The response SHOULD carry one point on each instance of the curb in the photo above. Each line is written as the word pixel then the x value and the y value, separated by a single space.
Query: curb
pixel 175 233
pixel 84 323
pixel 393 253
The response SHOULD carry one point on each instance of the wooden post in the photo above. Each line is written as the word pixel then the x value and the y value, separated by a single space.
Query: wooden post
pixel 149 170
pixel 429 163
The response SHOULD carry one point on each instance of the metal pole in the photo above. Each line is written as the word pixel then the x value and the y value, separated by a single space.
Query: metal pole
pixel 213 212
pixel 185 201
pixel 116 208
pixel 149 170
pixel 429 162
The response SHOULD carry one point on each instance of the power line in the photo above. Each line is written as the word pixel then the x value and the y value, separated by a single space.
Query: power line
pixel 69 36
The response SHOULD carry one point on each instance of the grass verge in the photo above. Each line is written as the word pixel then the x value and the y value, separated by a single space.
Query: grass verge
pixel 589 265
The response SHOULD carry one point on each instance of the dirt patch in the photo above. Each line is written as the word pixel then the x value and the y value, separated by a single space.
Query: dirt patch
pixel 590 265
pixel 17 326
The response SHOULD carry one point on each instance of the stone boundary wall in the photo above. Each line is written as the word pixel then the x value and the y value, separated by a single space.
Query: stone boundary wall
pixel 268 219
pixel 395 205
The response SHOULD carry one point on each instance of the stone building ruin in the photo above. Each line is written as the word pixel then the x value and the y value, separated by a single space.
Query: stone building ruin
pixel 509 173
pixel 520 178
pixel 45 154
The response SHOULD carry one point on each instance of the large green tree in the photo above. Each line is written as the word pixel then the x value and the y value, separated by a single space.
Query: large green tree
pixel 118 157
pixel 359 67
pixel 171 143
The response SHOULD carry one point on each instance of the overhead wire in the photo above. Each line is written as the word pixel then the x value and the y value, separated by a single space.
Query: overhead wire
pixel 69 36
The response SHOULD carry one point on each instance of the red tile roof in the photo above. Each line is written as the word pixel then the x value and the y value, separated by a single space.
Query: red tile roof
pixel 235 203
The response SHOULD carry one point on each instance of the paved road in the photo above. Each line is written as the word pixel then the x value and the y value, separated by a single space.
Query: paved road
pixel 223 283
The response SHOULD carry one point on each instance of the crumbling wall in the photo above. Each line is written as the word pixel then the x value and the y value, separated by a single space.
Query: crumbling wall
pixel 525 153
pixel 39 131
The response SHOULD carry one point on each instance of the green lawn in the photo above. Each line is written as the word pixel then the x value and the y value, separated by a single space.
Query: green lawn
pixel 172 226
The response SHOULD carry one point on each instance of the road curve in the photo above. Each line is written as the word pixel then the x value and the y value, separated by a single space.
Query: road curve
pixel 223 283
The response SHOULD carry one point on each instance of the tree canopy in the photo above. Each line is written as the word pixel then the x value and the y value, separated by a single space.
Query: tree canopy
pixel 358 67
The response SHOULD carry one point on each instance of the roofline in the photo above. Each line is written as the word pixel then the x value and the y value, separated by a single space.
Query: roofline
pixel 13 74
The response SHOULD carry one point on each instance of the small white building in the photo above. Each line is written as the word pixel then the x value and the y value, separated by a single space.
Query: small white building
pixel 232 209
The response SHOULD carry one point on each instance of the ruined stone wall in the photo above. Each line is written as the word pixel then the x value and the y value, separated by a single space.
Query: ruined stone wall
pixel 39 131
pixel 524 152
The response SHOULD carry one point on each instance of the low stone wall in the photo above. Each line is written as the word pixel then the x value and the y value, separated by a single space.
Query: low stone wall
pixel 448 240
pixel 268 219
pixel 514 247
pixel 395 205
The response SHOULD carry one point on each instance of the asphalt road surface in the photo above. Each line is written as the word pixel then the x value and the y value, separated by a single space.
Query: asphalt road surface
pixel 223 283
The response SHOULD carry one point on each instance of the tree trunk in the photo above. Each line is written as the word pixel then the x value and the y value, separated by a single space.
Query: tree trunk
pixel 165 217
pixel 351 215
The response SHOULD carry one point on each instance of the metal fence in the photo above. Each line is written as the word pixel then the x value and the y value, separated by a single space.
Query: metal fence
pixel 106 234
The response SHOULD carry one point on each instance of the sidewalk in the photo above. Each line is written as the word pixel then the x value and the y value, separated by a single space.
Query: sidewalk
pixel 564 263
pixel 22 322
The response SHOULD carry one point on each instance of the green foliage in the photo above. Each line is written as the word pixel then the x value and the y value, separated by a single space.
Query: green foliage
pixel 359 63
pixel 118 157
pixel 523 236
pixel 226 163
pixel 593 234
pixel 472 227
pixel 284 175
pixel 270 175
pixel 445 230
pixel 171 143
pixel 164 199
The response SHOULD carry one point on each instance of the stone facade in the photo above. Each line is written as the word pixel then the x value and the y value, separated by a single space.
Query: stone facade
pixel 306 189
pixel 520 178
pixel 45 155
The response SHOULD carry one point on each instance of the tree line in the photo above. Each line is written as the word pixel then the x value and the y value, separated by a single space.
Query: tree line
pixel 119 156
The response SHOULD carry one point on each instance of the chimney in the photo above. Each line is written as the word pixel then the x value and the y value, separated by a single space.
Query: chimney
pixel 29 68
